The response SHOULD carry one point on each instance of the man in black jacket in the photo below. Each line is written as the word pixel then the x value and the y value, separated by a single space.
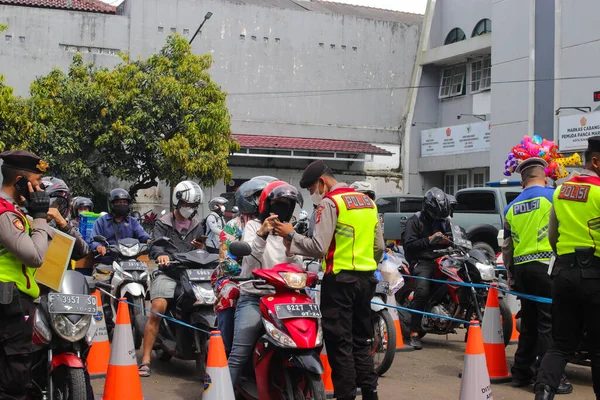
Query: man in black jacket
pixel 184 232
pixel 423 234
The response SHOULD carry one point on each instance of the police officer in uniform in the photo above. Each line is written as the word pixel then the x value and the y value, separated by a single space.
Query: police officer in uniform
pixel 526 252
pixel 574 234
pixel 23 245
pixel 348 238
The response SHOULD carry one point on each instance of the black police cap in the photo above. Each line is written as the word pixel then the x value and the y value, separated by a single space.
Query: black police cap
pixel 24 160
pixel 594 144
pixel 312 173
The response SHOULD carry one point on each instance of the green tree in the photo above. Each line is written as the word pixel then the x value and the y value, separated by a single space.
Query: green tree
pixel 143 121
pixel 14 123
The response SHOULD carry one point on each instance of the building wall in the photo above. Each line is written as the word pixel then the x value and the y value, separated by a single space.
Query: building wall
pixel 463 14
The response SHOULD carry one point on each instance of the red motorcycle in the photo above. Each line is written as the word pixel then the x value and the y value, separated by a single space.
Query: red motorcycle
pixel 286 358
pixel 461 264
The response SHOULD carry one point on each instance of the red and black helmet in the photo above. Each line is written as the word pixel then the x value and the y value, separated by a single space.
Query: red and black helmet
pixel 279 198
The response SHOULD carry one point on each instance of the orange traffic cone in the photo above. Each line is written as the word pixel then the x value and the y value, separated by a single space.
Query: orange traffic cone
pixel 100 351
pixel 122 378
pixel 400 346
pixel 326 376
pixel 217 381
pixel 475 383
pixel 493 339
pixel 515 306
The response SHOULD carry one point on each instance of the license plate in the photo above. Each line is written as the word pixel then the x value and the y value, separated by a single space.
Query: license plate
pixel 464 243
pixel 59 303
pixel 199 275
pixel 383 287
pixel 309 310
pixel 134 266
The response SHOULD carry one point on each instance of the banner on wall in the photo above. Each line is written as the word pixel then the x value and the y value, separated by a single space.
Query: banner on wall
pixel 574 131
pixel 458 139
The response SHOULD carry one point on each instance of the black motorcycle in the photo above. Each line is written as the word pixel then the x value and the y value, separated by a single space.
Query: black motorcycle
pixel 64 329
pixel 193 304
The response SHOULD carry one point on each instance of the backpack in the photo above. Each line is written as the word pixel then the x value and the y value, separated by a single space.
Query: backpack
pixel 203 226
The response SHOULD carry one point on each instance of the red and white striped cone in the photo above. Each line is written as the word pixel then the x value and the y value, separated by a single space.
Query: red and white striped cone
pixel 400 346
pixel 326 376
pixel 515 306
pixel 493 339
pixel 475 383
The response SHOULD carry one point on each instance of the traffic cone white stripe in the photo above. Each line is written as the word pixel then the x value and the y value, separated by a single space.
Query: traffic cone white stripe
pixel 475 383
pixel 217 381
pixel 122 353
pixel 492 327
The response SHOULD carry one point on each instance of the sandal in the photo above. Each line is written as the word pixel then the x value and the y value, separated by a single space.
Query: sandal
pixel 144 370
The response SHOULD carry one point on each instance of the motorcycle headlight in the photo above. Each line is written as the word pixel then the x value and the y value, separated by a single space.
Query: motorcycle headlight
pixel 129 251
pixel 73 332
pixel 294 280
pixel 203 296
pixel 486 271
pixel 319 340
pixel 91 333
pixel 280 337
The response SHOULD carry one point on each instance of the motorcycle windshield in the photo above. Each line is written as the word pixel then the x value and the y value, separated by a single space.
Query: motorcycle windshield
pixel 197 257
pixel 458 235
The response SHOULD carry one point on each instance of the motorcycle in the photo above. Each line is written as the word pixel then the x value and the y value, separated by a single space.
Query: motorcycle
pixel 459 263
pixel 63 331
pixel 384 340
pixel 130 278
pixel 301 224
pixel 193 304
pixel 285 361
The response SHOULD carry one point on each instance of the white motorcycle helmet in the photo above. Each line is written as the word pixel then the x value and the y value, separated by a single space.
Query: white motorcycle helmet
pixel 364 187
pixel 188 192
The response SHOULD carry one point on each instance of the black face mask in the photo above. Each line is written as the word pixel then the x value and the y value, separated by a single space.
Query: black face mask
pixel 284 211
pixel 121 210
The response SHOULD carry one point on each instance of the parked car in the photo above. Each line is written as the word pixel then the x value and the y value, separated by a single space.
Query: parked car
pixel 480 212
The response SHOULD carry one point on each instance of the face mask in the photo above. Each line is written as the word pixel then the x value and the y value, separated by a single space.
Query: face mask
pixel 187 212
pixel 284 211
pixel 121 210
pixel 317 196
pixel 222 209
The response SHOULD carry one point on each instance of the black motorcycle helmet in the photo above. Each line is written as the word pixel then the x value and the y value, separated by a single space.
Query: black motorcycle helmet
pixel 247 195
pixel 80 202
pixel 436 204
pixel 453 203
pixel 59 194
pixel 119 194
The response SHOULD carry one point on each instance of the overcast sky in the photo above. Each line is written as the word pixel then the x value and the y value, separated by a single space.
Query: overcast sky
pixel 413 6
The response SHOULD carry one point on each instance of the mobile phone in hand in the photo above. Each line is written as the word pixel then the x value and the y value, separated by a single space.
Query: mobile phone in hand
pixel 21 186
pixel 201 238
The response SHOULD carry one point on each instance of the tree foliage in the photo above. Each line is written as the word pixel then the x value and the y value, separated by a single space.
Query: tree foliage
pixel 143 121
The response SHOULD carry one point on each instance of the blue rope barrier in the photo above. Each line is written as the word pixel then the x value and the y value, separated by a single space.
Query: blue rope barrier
pixel 462 321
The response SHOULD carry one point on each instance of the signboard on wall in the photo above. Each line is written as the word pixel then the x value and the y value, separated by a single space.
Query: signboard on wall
pixel 574 131
pixel 458 139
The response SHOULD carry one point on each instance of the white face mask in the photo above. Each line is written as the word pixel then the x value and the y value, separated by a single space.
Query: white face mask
pixel 222 208
pixel 187 212
pixel 317 196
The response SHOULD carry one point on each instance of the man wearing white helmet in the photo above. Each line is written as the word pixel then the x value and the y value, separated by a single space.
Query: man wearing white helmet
pixel 364 187
pixel 184 232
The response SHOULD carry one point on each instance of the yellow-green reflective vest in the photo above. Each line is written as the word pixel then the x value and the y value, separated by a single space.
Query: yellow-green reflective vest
pixel 352 246
pixel 577 207
pixel 528 216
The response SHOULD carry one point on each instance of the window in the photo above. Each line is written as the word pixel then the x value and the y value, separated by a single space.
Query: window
pixel 481 74
pixel 387 204
pixel 476 202
pixel 449 184
pixel 455 35
pixel 484 26
pixel 479 179
pixel 511 196
pixel 453 81
pixel 411 205
pixel 462 182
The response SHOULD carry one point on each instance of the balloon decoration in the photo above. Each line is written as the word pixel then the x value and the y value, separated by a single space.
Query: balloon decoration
pixel 546 149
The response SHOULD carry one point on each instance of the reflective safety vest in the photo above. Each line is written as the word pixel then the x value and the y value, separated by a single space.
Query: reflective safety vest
pixel 528 217
pixel 577 207
pixel 352 246
pixel 11 268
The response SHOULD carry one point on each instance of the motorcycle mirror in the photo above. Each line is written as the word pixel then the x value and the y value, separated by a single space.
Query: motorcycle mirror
pixel 240 249
pixel 99 238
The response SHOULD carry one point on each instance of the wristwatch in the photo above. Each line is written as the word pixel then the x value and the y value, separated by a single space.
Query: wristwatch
pixel 290 236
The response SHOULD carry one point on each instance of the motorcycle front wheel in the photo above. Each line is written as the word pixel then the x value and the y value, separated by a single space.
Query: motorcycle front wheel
pixel 69 383
pixel 384 343
pixel 303 385
pixel 134 311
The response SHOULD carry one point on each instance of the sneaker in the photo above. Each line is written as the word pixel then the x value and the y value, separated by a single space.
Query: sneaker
pixel 415 342
pixel 565 386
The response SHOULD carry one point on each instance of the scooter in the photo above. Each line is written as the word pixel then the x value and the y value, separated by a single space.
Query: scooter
pixel 130 278
pixel 459 263
pixel 286 358
pixel 63 331
pixel 384 340
pixel 193 304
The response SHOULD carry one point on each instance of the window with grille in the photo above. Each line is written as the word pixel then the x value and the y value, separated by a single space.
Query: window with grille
pixel 449 184
pixel 479 179
pixel 453 81
pixel 462 182
pixel 481 74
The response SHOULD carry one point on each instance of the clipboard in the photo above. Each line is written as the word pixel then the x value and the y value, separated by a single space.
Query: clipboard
pixel 56 261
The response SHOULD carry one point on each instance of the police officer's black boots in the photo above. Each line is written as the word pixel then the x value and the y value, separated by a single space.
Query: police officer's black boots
pixel 543 392
pixel 368 394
